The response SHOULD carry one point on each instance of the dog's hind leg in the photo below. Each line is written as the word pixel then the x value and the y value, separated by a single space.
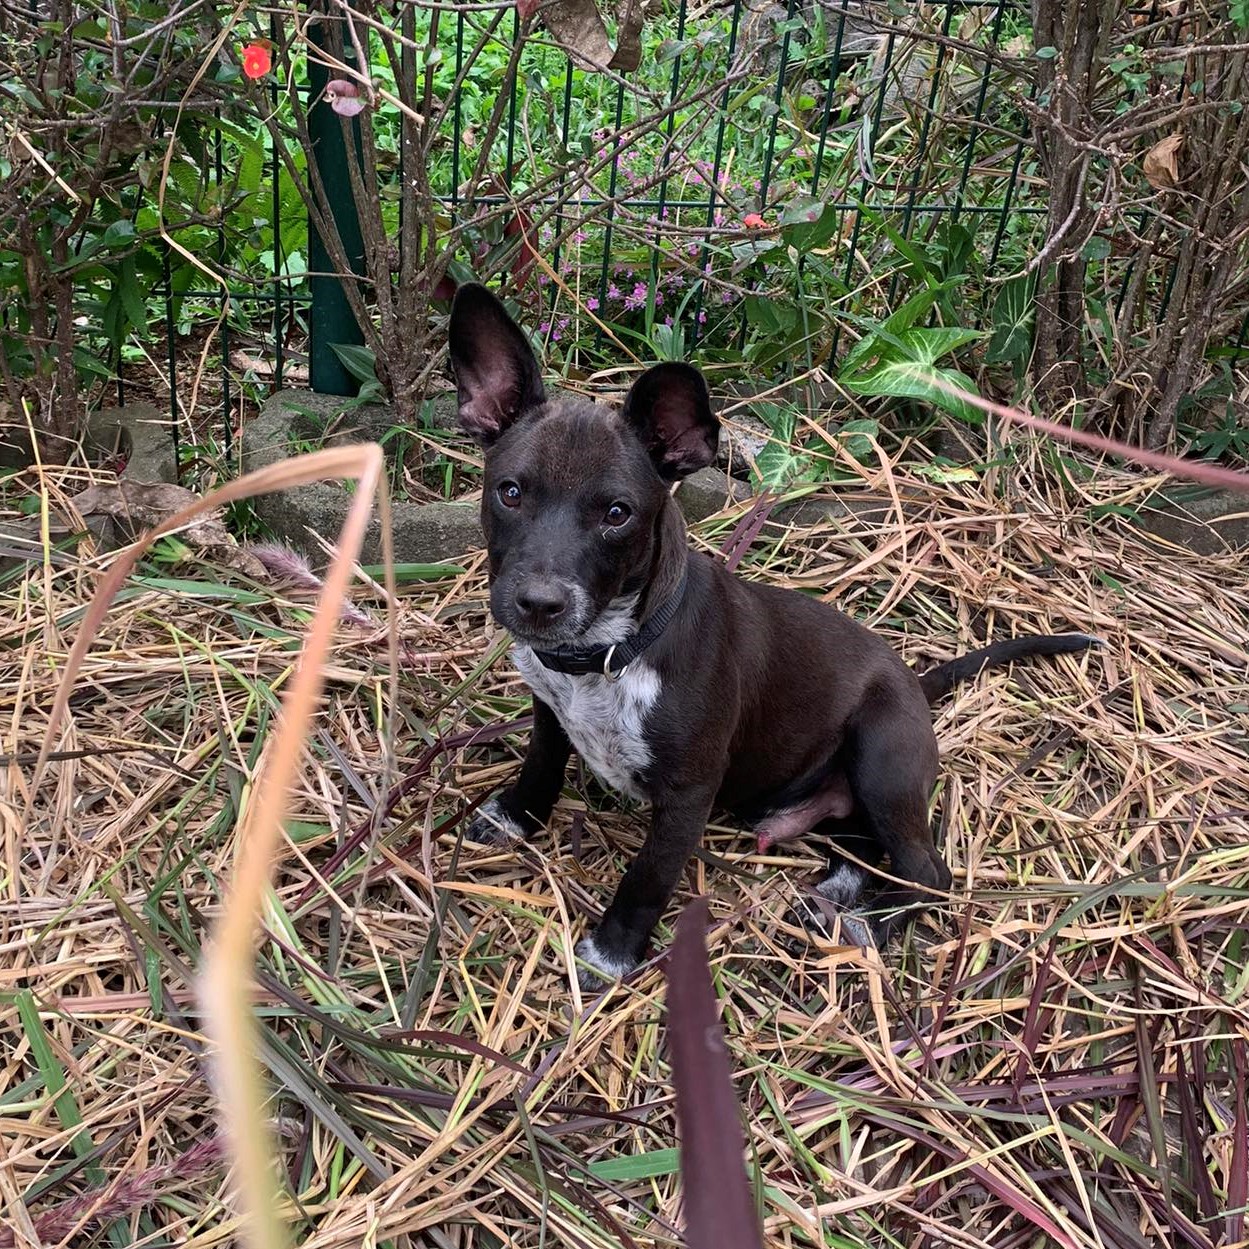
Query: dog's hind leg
pixel 853 851
pixel 836 901
pixel 893 768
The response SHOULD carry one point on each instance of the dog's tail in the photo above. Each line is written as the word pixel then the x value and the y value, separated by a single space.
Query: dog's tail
pixel 939 681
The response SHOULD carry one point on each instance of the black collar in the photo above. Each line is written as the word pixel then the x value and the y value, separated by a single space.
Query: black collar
pixel 611 660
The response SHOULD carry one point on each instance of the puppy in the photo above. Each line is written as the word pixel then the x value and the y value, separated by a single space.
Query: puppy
pixel 675 681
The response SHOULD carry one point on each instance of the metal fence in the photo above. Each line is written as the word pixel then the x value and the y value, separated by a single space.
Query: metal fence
pixel 908 134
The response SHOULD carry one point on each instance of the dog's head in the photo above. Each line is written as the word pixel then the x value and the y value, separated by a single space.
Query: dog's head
pixel 575 494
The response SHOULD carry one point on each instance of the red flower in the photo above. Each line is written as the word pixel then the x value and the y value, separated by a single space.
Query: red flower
pixel 256 60
pixel 753 221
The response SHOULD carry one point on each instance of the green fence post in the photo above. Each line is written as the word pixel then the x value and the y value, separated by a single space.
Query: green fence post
pixel 331 319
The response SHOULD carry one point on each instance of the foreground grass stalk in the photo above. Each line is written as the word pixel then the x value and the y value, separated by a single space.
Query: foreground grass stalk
pixel 226 980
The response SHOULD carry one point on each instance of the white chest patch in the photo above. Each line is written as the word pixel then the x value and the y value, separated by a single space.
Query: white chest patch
pixel 605 720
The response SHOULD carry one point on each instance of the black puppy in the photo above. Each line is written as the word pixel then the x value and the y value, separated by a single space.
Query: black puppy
pixel 675 681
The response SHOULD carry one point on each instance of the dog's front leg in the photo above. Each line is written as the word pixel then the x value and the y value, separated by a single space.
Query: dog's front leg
pixel 617 944
pixel 524 807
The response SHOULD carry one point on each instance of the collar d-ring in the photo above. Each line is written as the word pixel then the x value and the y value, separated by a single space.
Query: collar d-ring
pixel 607 672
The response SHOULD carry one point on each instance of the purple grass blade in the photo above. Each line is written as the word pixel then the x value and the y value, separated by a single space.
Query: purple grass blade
pixel 1238 1172
pixel 1032 1024
pixel 454 1041
pixel 747 530
pixel 414 777
pixel 1194 1141
pixel 719 1209
pixel 1151 1096
pixel 1005 1192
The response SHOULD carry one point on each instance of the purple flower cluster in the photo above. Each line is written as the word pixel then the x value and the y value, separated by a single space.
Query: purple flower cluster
pixel 637 298
pixel 556 331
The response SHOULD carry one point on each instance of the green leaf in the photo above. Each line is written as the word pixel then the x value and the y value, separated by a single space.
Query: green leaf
pixel 251 168
pixel 201 589
pixel 858 446
pixel 750 250
pixel 959 246
pixel 118 232
pixel 770 351
pixel 87 362
pixel 461 273
pixel 301 831
pixel 358 361
pixel 928 345
pixel 780 418
pixel 808 223
pixel 1013 312
pixel 1096 248
pixel 132 295
pixel 53 1076
pixel 415 572
pixel 770 315
pixel 1099 510
pixel 658 1162
pixel 946 474
pixel 913 252
pixel 916 379
pixel 890 329
pixel 780 464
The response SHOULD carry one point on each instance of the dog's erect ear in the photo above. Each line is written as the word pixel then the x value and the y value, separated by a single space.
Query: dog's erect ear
pixel 496 375
pixel 670 410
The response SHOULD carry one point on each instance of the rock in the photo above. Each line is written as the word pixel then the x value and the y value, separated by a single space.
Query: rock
pixel 424 533
pixel 427 533
pixel 115 514
pixel 742 437
pixel 21 538
pixel 960 442
pixel 137 506
pixel 139 433
pixel 857 510
pixel 708 491
pixel 1212 524
pixel 744 432
pixel 441 411
pixel 814 91
pixel 860 33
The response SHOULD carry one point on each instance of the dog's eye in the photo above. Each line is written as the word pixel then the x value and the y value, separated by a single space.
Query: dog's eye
pixel 509 494
pixel 617 514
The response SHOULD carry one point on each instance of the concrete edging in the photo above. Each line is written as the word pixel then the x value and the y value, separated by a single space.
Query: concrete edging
pixel 1212 523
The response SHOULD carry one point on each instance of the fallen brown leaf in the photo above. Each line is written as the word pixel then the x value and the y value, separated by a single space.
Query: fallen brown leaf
pixel 1162 162
pixel 578 28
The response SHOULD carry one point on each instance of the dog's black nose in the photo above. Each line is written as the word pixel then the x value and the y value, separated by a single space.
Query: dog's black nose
pixel 541 602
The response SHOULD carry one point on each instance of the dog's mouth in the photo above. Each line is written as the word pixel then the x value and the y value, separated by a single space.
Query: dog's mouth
pixel 552 638
pixel 584 626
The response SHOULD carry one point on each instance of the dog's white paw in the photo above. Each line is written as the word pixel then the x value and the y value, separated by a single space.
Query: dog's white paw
pixel 607 968
pixel 826 921
pixel 843 886
pixel 492 826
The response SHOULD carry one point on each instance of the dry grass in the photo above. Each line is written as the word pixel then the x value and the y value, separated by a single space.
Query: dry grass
pixel 1058 1056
